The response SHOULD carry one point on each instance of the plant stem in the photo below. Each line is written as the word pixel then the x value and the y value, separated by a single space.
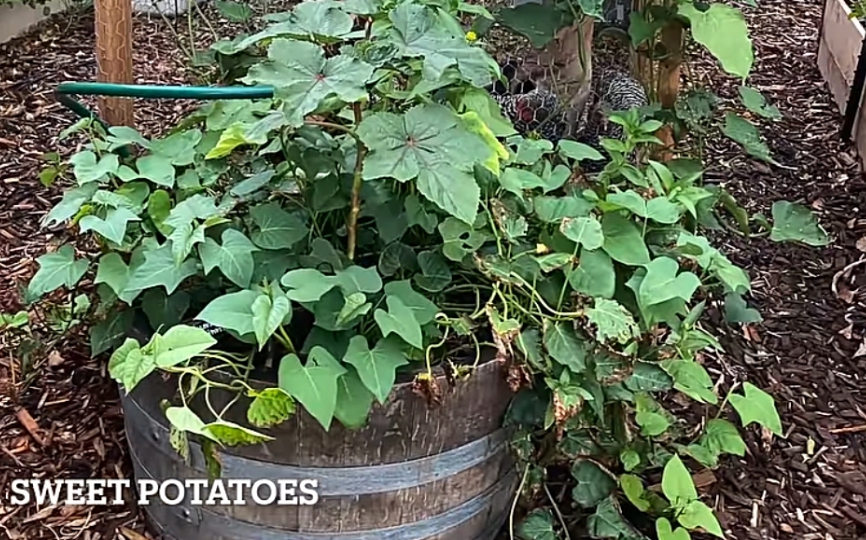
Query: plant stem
pixel 352 225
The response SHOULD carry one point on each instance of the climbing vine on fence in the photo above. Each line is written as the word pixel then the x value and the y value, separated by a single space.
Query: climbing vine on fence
pixel 380 215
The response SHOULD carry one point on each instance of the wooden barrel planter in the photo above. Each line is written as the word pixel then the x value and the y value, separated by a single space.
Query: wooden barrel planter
pixel 415 472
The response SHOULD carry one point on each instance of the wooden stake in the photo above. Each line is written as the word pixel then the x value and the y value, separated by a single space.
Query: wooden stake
pixel 114 57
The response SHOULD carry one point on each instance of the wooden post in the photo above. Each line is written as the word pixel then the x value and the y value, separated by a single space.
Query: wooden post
pixel 114 57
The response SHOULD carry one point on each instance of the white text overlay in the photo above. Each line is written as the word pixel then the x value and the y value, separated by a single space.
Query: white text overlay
pixel 194 491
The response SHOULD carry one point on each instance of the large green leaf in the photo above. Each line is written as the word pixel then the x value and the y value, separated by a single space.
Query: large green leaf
pixel 538 22
pixel 110 332
pixel 555 209
pixel 69 205
pixel 608 522
pixel 594 484
pixel 164 310
pixel 585 231
pixel 796 223
pixel 723 31
pixel 159 270
pixel 757 103
pixel 315 386
pixel 356 279
pixel 417 32
pixel 276 228
pixel 179 344
pixel 744 132
pixel 129 366
pixel 677 483
pixel 422 309
pixel 268 314
pixel 538 525
pixel 698 514
pixel 183 239
pixel 234 257
pixel 58 269
pixel 648 377
pixel 113 272
pixel 303 77
pixel 662 282
pixel 88 168
pixel 757 406
pixel 400 320
pixel 563 344
pixel 185 419
pixel 722 436
pixel 307 284
pixel 623 240
pixel 158 169
pixel 691 379
pixel 354 400
pixel 595 275
pixel 480 102
pixel 377 367
pixel 232 311
pixel 427 143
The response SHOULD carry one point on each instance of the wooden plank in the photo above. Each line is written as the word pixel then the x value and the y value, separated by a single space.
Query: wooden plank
pixel 832 74
pixel 839 50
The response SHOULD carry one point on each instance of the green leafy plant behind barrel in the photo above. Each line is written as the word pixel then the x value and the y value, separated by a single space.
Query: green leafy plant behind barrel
pixel 379 216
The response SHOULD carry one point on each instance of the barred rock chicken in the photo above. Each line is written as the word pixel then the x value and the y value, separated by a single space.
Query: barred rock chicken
pixel 539 109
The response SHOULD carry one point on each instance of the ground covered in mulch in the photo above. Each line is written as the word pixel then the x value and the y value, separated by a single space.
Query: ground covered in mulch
pixel 59 415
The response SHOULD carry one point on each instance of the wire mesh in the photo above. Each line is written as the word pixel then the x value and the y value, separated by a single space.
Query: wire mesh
pixel 531 96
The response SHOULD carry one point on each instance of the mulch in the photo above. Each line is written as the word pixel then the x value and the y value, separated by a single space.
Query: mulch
pixel 810 351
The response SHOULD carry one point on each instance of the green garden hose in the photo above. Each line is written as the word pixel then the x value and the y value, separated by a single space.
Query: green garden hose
pixel 66 91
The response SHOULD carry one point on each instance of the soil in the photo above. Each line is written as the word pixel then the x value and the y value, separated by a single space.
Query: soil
pixel 59 413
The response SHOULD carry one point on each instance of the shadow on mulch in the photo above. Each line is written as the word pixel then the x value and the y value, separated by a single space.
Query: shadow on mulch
pixel 810 351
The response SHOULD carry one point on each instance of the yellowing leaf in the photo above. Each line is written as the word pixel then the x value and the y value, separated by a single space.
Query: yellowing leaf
pixel 476 125
pixel 231 138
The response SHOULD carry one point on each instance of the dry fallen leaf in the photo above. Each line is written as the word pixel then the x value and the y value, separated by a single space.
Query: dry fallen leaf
pixel 845 294
pixel 55 359
pixel 861 244
pixel 704 479
pixel 751 333
pixel 861 350
pixel 130 534
pixel 847 332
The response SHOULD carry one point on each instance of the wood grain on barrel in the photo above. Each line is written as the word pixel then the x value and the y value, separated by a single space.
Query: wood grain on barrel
pixel 443 473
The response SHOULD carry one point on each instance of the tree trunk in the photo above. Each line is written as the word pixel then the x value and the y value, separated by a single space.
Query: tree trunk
pixel 114 57
pixel 661 81
pixel 669 80
pixel 572 53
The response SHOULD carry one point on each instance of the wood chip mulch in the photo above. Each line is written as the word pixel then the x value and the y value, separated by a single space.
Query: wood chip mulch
pixel 810 351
